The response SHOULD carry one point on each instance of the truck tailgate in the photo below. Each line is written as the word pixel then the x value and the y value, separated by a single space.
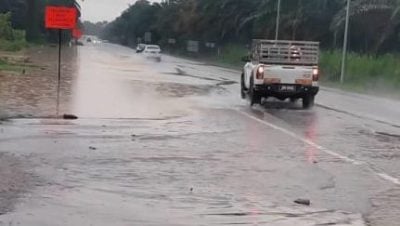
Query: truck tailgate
pixel 288 74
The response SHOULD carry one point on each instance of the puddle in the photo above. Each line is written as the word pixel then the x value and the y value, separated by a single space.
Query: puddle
pixel 182 90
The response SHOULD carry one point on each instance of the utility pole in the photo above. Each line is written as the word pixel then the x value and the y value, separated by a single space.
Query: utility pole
pixel 345 40
pixel 278 17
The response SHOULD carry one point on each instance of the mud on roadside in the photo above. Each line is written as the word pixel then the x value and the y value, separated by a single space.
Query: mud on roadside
pixel 28 80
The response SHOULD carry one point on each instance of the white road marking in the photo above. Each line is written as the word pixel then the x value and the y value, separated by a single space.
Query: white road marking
pixel 384 176
pixel 389 178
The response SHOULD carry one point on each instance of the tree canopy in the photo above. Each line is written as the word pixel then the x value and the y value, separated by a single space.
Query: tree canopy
pixel 374 23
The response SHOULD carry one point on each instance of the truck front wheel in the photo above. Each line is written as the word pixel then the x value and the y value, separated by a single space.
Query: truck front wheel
pixel 308 101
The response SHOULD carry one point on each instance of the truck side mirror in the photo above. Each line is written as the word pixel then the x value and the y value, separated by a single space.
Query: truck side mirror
pixel 246 59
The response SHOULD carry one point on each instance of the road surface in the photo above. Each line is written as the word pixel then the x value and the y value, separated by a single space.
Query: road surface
pixel 171 143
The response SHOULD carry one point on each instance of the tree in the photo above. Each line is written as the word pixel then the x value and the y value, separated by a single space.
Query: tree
pixel 33 25
pixel 94 28
pixel 239 21
pixel 376 22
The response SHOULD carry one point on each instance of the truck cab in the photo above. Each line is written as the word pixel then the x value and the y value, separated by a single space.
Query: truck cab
pixel 281 69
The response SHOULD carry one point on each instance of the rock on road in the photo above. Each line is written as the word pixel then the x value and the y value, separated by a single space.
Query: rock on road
pixel 171 143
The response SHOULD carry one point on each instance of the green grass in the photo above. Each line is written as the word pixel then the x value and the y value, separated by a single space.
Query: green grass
pixel 11 67
pixel 4 66
pixel 231 55
pixel 13 46
pixel 16 44
pixel 364 73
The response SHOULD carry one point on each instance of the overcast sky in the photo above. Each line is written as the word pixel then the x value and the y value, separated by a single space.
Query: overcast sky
pixel 99 10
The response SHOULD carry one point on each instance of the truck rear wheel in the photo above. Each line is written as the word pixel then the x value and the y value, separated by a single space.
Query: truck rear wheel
pixel 308 101
pixel 254 97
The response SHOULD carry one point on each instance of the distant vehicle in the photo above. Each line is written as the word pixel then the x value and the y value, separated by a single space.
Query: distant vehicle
pixel 140 48
pixel 97 41
pixel 152 51
pixel 281 69
pixel 88 40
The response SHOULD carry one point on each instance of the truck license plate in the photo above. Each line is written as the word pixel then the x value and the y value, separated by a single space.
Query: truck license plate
pixel 287 88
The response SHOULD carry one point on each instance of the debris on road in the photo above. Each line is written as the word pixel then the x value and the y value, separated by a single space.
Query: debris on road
pixel 305 202
pixel 92 148
pixel 70 117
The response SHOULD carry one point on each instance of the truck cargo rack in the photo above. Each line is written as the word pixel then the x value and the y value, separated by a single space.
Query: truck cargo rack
pixel 285 52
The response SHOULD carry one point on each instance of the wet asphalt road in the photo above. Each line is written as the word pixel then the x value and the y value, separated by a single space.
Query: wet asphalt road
pixel 171 143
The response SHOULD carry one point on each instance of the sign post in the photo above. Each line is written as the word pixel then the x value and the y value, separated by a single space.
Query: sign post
pixel 61 18
pixel 147 37
pixel 59 71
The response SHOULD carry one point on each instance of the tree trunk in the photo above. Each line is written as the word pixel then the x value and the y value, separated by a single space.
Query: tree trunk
pixel 33 23
pixel 334 39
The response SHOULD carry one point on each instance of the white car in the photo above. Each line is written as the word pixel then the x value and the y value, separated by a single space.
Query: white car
pixel 152 51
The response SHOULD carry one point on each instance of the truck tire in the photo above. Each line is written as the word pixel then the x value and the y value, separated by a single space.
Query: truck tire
pixel 242 87
pixel 255 98
pixel 308 101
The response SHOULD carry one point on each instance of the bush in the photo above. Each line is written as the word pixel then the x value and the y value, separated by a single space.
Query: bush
pixel 6 31
pixel 364 73
pixel 365 70
pixel 13 45
pixel 10 40
pixel 232 54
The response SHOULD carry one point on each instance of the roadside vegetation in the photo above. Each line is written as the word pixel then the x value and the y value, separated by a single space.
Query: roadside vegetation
pixel 22 22
pixel 374 37
pixel 364 73
pixel 22 26
pixel 10 39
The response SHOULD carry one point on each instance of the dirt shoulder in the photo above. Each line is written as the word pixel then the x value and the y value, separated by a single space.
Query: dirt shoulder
pixel 28 80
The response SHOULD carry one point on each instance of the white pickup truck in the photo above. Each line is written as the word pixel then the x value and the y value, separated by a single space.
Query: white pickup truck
pixel 281 69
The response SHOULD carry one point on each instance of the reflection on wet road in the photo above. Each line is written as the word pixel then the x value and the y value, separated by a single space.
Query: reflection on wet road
pixel 171 143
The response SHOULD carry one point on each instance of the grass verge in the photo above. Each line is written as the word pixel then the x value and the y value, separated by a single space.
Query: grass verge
pixel 15 66
pixel 364 72
pixel 15 44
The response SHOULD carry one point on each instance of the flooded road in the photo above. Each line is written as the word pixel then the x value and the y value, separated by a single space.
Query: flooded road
pixel 171 143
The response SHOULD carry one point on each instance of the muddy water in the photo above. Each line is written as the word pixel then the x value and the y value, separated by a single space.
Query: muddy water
pixel 96 84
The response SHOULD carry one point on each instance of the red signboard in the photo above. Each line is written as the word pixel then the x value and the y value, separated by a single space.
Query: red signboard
pixel 76 33
pixel 61 17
